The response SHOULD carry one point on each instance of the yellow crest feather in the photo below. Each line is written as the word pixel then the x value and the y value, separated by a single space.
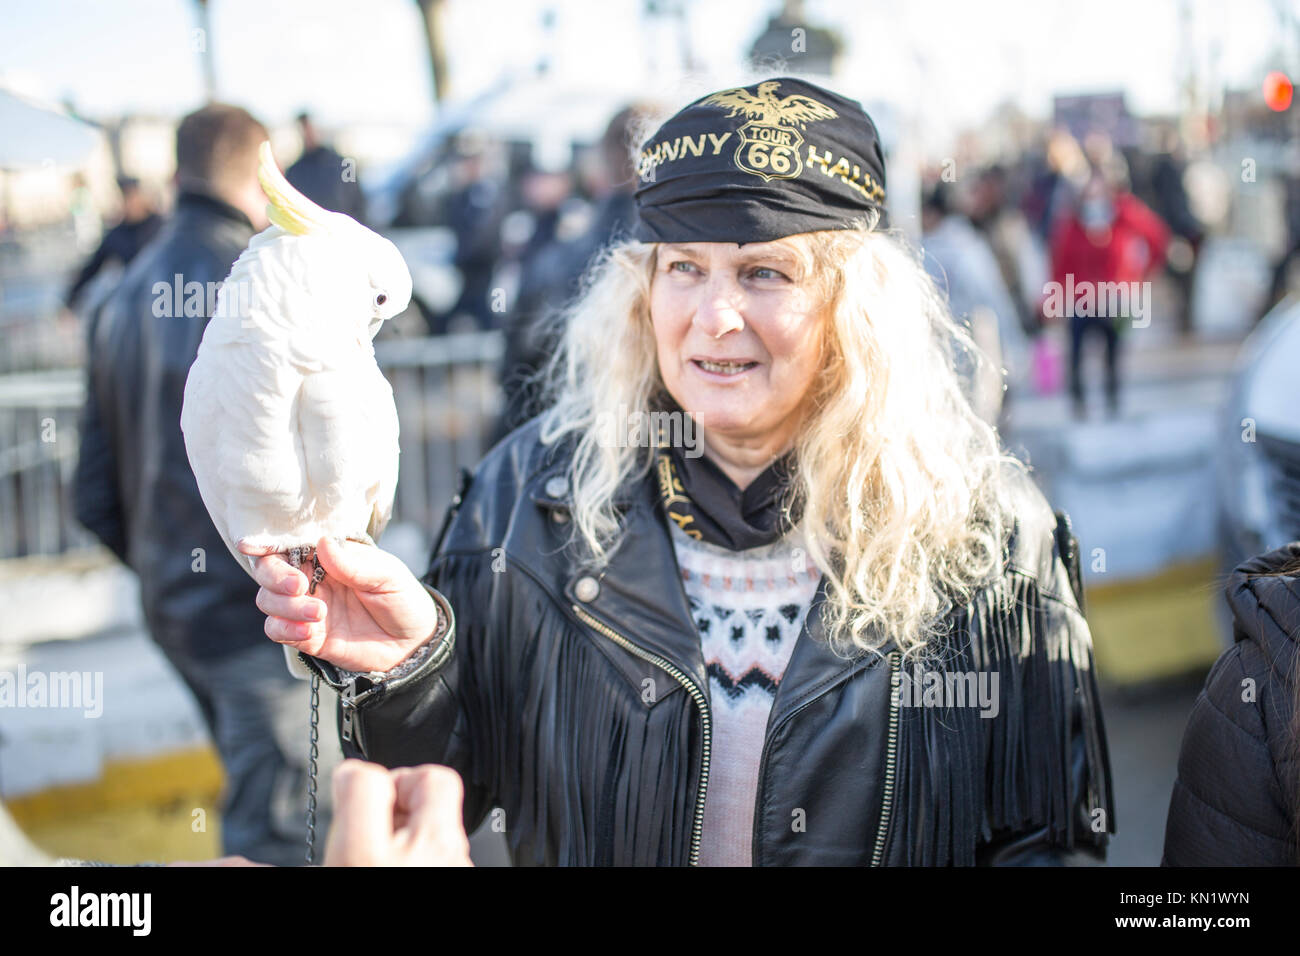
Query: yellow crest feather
pixel 289 209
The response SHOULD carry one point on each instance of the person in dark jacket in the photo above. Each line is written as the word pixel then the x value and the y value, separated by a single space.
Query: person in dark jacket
pixel 139 224
pixel 759 587
pixel 134 488
pixel 1236 801
pixel 551 278
pixel 1169 201
pixel 474 212
pixel 325 177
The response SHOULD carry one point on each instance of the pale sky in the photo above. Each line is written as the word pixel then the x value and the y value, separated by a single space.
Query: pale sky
pixel 950 62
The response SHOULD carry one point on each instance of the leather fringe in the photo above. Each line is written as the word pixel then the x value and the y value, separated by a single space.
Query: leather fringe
pixel 561 728
pixel 1047 697
pixel 1042 653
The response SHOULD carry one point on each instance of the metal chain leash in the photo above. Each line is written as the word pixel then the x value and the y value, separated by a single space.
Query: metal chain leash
pixel 311 769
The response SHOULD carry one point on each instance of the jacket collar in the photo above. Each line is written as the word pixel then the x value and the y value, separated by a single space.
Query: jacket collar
pixel 640 596
pixel 640 593
pixel 190 199
pixel 814 668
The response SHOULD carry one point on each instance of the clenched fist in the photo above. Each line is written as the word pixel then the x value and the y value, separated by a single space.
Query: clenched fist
pixel 410 816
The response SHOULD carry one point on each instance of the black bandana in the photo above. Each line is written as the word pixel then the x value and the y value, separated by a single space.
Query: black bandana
pixel 760 163
pixel 699 498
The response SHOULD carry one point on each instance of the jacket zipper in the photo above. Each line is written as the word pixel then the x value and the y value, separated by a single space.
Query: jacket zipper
pixel 351 700
pixel 891 761
pixel 701 701
pixel 348 697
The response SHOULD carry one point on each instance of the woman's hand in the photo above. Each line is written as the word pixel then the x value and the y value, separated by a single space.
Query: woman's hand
pixel 368 614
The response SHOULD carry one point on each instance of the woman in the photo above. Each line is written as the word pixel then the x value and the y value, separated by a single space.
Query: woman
pixel 1236 801
pixel 843 634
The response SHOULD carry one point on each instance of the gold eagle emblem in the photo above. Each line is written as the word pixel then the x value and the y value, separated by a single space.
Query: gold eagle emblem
pixel 769 109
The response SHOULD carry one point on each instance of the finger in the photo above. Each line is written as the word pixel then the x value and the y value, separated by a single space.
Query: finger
pixel 363 813
pixel 429 814
pixel 276 574
pixel 432 797
pixel 300 635
pixel 219 861
pixel 255 550
pixel 291 608
pixel 420 782
pixel 355 565
pixel 236 861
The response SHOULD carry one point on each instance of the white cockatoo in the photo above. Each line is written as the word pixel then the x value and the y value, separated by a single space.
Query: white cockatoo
pixel 289 425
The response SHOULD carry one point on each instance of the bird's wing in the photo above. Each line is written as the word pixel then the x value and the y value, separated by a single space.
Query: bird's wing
pixel 738 101
pixel 347 426
pixel 235 419
pixel 385 492
pixel 799 109
pixel 209 439
pixel 201 424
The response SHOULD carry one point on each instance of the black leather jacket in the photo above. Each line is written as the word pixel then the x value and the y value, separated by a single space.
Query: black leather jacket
pixel 539 699
pixel 133 485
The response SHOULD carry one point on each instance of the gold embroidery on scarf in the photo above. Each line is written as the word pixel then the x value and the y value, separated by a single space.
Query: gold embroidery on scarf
pixel 672 493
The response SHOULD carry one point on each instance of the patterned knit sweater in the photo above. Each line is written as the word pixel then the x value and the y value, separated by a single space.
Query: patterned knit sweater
pixel 749 608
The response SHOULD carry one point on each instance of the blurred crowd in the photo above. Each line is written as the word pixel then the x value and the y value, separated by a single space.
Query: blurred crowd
pixel 1068 216
pixel 522 225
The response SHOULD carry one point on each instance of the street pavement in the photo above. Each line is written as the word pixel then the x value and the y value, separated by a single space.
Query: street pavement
pixel 1144 729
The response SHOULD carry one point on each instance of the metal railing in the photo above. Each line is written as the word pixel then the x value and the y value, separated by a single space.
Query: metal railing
pixel 446 390
pixel 448 396
pixel 38 453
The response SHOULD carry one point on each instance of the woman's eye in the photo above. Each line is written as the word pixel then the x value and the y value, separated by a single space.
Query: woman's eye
pixel 763 272
pixel 687 266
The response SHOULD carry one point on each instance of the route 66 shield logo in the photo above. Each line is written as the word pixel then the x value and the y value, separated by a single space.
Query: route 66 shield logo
pixel 769 151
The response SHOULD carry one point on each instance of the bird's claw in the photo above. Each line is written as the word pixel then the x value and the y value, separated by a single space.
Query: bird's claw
pixel 307 553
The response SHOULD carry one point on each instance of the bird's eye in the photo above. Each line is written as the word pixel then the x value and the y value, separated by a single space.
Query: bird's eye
pixel 380 299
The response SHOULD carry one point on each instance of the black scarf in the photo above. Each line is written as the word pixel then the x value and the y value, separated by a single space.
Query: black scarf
pixel 700 499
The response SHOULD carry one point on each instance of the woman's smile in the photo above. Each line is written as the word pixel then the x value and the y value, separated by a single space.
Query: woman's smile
pixel 726 370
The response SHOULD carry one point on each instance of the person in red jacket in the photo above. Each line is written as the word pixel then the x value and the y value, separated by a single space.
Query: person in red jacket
pixel 1103 250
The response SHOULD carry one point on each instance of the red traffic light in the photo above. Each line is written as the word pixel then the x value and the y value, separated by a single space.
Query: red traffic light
pixel 1277 91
